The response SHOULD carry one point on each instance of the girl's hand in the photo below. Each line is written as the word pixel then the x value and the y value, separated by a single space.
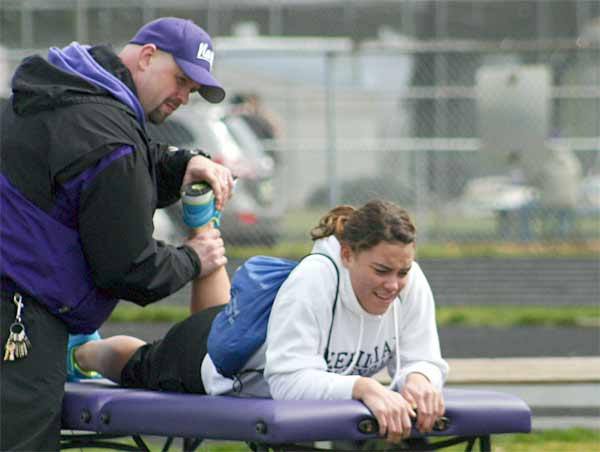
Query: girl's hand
pixel 391 409
pixel 423 396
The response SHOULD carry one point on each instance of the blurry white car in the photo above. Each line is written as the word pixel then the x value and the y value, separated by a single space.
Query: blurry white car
pixel 488 195
pixel 589 195
pixel 251 216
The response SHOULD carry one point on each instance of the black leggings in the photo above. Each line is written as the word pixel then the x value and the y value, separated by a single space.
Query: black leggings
pixel 173 363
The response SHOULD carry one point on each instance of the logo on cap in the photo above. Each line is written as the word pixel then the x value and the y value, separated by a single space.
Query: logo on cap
pixel 205 53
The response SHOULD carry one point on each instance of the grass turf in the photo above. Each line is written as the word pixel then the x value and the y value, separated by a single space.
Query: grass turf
pixel 468 316
pixel 563 440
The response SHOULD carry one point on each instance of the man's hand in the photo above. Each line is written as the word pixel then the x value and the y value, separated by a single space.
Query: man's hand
pixel 428 401
pixel 391 410
pixel 218 176
pixel 209 247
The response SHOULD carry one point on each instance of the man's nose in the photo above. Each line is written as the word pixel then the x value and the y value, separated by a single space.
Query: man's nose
pixel 184 95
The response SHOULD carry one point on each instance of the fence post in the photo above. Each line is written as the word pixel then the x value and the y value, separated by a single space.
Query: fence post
pixel 331 131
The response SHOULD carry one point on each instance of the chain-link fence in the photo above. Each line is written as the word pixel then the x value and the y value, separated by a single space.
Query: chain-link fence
pixel 481 139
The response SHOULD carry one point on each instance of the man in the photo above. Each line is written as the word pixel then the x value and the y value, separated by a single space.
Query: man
pixel 79 183
pixel 263 122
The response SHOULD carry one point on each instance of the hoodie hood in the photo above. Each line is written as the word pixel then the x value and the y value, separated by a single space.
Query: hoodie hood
pixel 69 76
pixel 331 246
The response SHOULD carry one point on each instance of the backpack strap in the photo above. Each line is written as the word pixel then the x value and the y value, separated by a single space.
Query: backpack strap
pixel 337 291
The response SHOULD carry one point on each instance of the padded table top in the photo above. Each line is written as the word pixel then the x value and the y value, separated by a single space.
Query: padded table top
pixel 105 408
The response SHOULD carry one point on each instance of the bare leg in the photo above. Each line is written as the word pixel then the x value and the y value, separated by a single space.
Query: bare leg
pixel 211 290
pixel 108 356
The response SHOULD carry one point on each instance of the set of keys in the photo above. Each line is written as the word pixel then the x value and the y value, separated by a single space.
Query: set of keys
pixel 17 346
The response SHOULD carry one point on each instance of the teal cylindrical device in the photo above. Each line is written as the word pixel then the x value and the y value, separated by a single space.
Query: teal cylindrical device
pixel 198 202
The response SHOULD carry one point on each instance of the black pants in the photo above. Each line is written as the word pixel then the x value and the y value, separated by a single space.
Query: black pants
pixel 32 388
pixel 174 362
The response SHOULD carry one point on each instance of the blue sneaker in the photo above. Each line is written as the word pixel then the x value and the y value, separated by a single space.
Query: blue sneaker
pixel 74 372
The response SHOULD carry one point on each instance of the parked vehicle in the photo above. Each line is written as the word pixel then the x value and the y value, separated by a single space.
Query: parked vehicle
pixel 251 216
pixel 589 195
pixel 492 194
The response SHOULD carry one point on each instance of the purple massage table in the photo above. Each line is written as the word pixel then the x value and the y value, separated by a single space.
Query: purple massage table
pixel 96 413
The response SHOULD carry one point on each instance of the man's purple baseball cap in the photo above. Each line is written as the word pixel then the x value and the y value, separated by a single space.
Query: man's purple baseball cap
pixel 190 46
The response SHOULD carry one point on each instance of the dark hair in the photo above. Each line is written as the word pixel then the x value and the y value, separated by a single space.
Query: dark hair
pixel 240 98
pixel 365 227
pixel 243 98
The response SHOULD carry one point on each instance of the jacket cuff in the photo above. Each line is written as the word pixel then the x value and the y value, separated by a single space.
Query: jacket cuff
pixel 195 152
pixel 194 258
pixel 177 159
pixel 344 387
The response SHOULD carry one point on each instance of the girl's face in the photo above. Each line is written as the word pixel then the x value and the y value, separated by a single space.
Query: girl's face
pixel 379 273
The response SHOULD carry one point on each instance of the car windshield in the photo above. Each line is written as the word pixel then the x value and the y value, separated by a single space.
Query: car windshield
pixel 227 142
pixel 253 147
pixel 209 135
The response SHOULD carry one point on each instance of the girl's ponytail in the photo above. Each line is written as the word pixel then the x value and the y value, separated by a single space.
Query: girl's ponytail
pixel 332 223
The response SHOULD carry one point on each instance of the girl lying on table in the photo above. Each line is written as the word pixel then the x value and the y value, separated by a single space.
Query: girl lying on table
pixel 385 316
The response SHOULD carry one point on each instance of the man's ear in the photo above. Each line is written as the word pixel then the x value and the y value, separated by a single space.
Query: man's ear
pixel 145 56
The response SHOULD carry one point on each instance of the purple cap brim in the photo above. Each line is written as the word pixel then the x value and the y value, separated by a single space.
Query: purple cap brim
pixel 210 88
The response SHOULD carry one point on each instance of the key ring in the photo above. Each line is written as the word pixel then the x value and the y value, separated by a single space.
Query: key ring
pixel 18 300
pixel 17 330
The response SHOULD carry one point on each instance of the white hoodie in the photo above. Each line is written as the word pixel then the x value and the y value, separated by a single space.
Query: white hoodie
pixel 361 343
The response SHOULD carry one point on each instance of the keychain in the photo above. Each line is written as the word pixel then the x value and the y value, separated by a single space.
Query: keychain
pixel 17 346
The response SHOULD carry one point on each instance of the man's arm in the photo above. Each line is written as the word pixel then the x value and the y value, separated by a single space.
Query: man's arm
pixel 170 169
pixel 115 224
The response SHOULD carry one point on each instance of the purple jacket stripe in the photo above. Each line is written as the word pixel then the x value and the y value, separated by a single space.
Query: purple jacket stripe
pixel 44 258
pixel 67 197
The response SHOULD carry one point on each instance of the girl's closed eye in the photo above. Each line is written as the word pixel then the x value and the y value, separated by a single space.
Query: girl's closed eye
pixel 381 271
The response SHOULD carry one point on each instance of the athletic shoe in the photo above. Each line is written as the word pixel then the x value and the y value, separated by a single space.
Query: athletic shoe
pixel 74 372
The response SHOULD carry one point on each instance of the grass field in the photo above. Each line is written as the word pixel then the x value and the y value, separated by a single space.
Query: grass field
pixel 471 316
pixel 568 440
pixel 445 250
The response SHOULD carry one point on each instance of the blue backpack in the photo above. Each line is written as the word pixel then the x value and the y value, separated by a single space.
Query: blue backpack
pixel 241 327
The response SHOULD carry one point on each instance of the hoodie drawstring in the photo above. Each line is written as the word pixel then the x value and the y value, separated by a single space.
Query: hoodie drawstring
pixel 397 372
pixel 356 352
pixel 350 368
